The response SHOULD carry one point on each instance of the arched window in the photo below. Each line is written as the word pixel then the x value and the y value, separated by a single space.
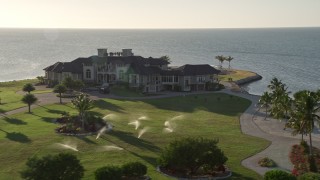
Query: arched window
pixel 88 74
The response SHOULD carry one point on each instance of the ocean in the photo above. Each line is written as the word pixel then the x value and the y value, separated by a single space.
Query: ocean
pixel 290 54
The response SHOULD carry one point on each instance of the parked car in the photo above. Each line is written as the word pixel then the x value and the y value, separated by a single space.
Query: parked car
pixel 105 88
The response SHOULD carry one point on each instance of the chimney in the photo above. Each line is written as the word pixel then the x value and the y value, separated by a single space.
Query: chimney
pixel 127 52
pixel 103 52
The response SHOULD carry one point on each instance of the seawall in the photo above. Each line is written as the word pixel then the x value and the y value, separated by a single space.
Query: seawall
pixel 248 79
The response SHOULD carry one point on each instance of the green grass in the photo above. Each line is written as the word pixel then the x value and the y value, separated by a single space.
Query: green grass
pixel 9 98
pixel 123 91
pixel 237 75
pixel 25 135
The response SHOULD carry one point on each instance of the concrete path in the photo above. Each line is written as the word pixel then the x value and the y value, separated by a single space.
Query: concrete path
pixel 252 123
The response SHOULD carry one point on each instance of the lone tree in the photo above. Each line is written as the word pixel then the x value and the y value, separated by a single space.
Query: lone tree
pixel 29 99
pixel 189 154
pixel 62 166
pixel 60 88
pixel 166 58
pixel 82 103
pixel 28 88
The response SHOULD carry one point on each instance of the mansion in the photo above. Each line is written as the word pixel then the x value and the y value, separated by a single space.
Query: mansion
pixel 149 74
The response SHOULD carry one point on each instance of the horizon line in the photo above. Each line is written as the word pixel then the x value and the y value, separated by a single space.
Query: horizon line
pixel 97 28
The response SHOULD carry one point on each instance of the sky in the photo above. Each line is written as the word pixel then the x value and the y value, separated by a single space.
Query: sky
pixel 159 13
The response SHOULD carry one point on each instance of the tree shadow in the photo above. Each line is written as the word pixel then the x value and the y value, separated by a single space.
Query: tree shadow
pixel 237 176
pixel 85 139
pixel 17 136
pixel 149 159
pixel 102 104
pixel 46 119
pixel 14 121
pixel 216 102
pixel 133 140
pixel 54 111
pixel 96 113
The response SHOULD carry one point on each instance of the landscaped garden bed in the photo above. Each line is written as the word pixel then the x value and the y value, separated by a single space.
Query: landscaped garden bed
pixel 72 125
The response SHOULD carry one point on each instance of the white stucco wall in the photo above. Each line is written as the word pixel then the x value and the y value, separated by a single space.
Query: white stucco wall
pixel 85 68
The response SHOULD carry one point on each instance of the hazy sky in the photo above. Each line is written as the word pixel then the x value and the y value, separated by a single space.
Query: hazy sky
pixel 159 13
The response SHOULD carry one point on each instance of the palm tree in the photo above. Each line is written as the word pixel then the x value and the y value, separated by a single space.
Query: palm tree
pixel 28 88
pixel 229 59
pixel 307 105
pixel 60 88
pixel 281 104
pixel 265 101
pixel 275 83
pixel 29 99
pixel 220 58
pixel 82 103
pixel 296 124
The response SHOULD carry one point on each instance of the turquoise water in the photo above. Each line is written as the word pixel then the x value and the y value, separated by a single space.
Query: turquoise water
pixel 291 54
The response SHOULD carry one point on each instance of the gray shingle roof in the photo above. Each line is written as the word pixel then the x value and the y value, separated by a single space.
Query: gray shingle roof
pixel 144 66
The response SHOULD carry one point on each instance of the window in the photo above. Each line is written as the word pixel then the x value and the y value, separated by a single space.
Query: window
pixel 170 79
pixel 88 74
pixel 176 79
pixel 121 75
pixel 133 79
pixel 201 78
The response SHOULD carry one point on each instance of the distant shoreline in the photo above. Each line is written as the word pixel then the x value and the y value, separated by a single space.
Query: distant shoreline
pixel 196 28
pixel 14 80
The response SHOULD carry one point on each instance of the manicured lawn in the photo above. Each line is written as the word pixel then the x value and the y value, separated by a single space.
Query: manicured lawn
pixel 210 116
pixel 124 92
pixel 9 98
pixel 237 75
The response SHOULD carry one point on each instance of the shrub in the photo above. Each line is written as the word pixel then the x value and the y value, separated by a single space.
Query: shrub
pixel 309 176
pixel 69 83
pixel 278 175
pixel 108 172
pixel 267 162
pixel 299 160
pixel 134 169
pixel 28 88
pixel 189 154
pixel 61 166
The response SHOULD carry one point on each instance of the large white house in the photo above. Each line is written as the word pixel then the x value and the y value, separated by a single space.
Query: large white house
pixel 149 74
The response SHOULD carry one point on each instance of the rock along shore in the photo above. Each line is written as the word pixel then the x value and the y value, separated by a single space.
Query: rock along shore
pixel 247 80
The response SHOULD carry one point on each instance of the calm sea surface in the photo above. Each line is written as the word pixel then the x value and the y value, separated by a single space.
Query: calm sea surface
pixel 291 54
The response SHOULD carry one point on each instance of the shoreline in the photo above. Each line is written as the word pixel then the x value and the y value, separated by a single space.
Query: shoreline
pixel 249 80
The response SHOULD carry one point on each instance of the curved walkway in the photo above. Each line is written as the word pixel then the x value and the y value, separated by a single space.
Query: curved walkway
pixel 252 123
